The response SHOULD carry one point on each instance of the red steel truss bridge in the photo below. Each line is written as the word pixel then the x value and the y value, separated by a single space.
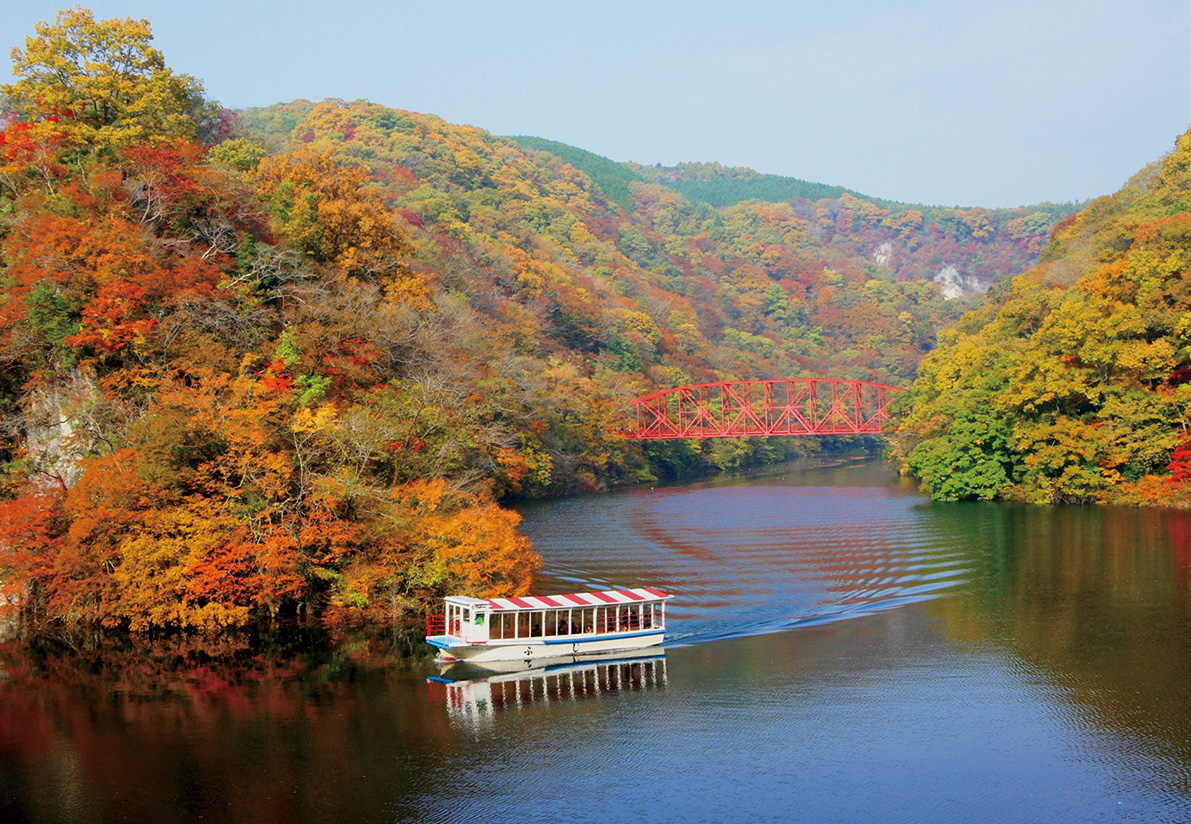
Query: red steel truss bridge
pixel 784 407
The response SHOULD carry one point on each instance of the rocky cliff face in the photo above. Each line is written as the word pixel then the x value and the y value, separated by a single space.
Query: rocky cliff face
pixel 57 433
pixel 955 284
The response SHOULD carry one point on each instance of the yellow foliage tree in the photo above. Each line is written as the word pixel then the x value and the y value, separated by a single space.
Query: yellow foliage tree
pixel 330 214
pixel 100 84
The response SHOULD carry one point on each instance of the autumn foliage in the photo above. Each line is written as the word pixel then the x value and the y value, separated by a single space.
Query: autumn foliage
pixel 183 454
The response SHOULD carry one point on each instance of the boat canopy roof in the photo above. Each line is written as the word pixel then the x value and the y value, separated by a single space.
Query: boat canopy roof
pixel 609 597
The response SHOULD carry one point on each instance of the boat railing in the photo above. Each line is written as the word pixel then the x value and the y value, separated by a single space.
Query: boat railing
pixel 437 625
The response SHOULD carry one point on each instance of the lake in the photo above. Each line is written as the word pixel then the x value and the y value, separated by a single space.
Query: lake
pixel 840 649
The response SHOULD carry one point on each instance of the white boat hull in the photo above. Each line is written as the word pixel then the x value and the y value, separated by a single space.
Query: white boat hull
pixel 530 649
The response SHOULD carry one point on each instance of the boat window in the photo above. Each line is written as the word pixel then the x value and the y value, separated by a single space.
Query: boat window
pixel 558 622
pixel 583 620
pixel 523 624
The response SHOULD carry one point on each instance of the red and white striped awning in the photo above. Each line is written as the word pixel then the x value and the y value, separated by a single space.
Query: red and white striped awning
pixel 580 599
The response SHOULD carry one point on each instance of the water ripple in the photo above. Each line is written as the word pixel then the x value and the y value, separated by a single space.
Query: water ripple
pixel 751 560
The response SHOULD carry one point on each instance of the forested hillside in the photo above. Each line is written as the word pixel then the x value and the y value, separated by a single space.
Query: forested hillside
pixel 1073 383
pixel 965 250
pixel 289 363
pixel 668 293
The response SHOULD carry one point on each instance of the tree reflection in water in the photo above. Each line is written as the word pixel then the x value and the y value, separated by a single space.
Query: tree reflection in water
pixel 1097 601
pixel 235 728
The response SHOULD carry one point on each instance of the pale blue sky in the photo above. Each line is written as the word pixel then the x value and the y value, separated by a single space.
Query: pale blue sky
pixel 949 102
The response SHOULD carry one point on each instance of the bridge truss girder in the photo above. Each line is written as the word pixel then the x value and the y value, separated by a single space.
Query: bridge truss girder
pixel 760 408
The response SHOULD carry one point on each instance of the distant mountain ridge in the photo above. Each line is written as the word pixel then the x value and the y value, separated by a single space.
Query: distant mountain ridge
pixel 718 185
pixel 613 177
pixel 709 183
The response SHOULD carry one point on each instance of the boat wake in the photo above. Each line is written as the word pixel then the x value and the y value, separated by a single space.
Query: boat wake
pixel 754 560
pixel 867 603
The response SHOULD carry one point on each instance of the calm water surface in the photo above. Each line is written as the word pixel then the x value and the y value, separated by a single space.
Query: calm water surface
pixel 841 650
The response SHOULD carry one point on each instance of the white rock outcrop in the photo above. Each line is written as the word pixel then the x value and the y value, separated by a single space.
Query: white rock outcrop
pixel 958 285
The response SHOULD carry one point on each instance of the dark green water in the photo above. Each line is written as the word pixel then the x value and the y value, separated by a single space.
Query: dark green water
pixel 841 651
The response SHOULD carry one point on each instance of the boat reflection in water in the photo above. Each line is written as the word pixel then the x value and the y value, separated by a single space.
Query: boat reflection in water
pixel 473 694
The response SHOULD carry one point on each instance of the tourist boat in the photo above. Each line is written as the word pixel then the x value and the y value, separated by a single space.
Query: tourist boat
pixel 482 630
